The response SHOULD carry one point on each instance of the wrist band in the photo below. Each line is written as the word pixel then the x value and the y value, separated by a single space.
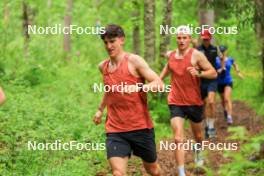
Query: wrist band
pixel 199 73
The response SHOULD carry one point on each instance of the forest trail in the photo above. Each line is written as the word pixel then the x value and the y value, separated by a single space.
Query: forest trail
pixel 243 116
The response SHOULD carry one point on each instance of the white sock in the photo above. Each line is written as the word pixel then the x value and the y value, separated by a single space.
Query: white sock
pixel 181 171
pixel 211 123
pixel 207 121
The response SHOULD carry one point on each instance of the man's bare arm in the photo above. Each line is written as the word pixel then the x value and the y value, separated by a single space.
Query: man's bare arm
pixel 103 101
pixel 98 115
pixel 165 72
pixel 207 70
pixel 154 82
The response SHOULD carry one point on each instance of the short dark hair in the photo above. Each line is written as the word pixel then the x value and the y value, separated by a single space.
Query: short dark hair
pixel 112 31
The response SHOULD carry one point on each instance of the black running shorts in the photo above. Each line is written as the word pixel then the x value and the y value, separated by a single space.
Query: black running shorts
pixel 140 143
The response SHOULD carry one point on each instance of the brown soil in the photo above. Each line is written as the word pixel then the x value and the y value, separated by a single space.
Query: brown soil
pixel 242 116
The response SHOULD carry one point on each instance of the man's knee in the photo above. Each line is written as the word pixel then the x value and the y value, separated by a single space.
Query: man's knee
pixel 117 172
pixel 226 100
pixel 198 137
pixel 178 140
pixel 153 170
pixel 211 102
pixel 211 98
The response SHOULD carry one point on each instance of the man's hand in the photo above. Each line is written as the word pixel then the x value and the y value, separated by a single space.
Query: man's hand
pixel 98 117
pixel 193 71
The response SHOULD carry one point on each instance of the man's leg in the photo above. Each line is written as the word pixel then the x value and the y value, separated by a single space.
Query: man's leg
pixel 211 104
pixel 204 94
pixel 143 145
pixel 152 168
pixel 118 151
pixel 228 103
pixel 198 135
pixel 197 131
pixel 118 165
pixel 223 105
pixel 177 124
pixel 194 114
pixel 210 113
pixel 206 108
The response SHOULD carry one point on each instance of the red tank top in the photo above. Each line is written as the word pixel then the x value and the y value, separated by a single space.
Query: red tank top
pixel 185 88
pixel 127 112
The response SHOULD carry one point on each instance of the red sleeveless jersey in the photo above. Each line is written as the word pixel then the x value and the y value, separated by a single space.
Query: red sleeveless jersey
pixel 125 112
pixel 185 88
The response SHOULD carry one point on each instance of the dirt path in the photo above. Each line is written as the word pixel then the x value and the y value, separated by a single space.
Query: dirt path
pixel 242 116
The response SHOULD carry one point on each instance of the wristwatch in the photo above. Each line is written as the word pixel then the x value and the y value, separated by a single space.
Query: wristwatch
pixel 199 73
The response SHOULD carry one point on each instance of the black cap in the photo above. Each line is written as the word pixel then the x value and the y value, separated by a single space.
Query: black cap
pixel 222 48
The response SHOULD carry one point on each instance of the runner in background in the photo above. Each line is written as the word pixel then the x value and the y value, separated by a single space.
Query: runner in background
pixel 2 96
pixel 186 65
pixel 225 81
pixel 209 86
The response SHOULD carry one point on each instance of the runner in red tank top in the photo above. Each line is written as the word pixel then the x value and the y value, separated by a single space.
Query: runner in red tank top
pixel 128 124
pixel 186 65
pixel 126 112
pixel 2 96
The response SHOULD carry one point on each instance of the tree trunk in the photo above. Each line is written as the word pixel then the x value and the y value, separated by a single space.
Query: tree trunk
pixel 165 38
pixel 67 23
pixel 257 21
pixel 262 56
pixel 261 152
pixel 6 13
pixel 25 16
pixel 258 29
pixel 259 5
pixel 149 30
pixel 206 16
pixel 49 3
pixel 136 29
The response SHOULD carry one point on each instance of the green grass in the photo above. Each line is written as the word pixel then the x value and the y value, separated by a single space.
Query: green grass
pixel 46 107
pixel 50 99
pixel 249 89
pixel 60 108
pixel 54 100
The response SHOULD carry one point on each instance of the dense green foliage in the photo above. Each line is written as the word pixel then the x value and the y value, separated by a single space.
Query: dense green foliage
pixel 51 99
